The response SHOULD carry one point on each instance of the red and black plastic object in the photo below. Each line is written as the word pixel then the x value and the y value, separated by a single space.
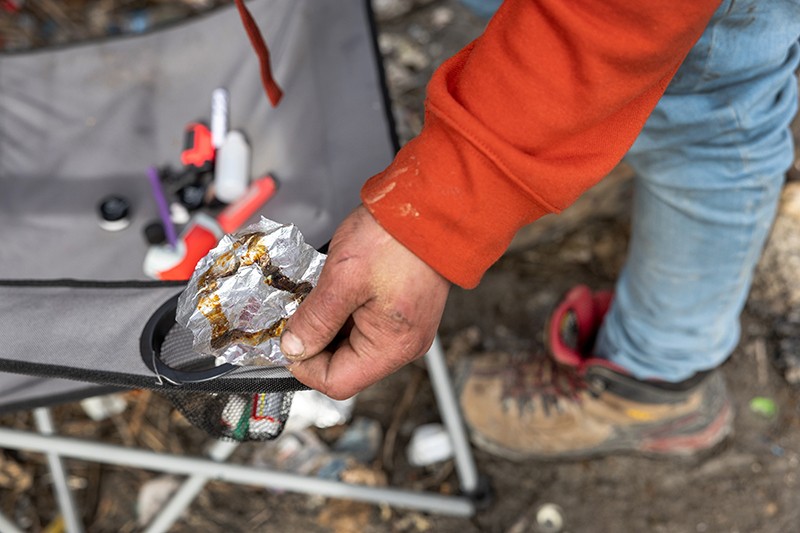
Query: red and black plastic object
pixel 198 150
pixel 204 232
pixel 10 6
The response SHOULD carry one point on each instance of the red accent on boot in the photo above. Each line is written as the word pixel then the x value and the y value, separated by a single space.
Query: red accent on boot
pixel 588 311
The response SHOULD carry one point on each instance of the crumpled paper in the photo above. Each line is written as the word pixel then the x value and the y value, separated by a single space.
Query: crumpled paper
pixel 240 295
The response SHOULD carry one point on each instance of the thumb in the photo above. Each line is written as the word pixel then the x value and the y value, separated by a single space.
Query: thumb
pixel 318 319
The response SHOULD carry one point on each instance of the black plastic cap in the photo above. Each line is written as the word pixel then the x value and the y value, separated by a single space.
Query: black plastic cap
pixel 192 196
pixel 114 208
pixel 154 233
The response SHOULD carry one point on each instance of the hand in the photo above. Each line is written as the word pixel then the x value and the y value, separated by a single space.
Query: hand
pixel 388 301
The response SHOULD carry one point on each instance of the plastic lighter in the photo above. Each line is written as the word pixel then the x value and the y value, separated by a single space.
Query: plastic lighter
pixel 176 264
pixel 236 214
pixel 202 234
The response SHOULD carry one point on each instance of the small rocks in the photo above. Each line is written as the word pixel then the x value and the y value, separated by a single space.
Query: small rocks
pixel 29 25
pixel 386 10
pixel 776 294
pixel 441 17
pixel 402 50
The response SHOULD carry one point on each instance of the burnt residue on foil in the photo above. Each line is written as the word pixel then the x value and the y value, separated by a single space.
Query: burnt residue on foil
pixel 242 293
pixel 255 252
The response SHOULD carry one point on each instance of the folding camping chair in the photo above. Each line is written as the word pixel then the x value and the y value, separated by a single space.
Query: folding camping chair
pixel 85 121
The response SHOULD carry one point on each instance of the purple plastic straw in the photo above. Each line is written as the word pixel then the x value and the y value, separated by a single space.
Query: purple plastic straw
pixel 163 207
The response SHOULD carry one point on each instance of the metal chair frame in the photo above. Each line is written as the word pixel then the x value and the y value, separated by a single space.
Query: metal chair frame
pixel 213 467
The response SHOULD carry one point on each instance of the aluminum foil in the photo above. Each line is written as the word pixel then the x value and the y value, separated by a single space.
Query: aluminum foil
pixel 242 292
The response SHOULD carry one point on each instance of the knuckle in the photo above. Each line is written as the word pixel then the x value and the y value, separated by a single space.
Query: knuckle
pixel 415 346
pixel 421 344
pixel 399 318
pixel 412 336
pixel 396 319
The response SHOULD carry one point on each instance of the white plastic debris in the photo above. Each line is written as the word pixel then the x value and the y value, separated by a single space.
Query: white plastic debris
pixel 389 9
pixel 361 440
pixel 312 408
pixel 153 495
pixel 300 452
pixel 429 444
pixel 549 518
pixel 102 407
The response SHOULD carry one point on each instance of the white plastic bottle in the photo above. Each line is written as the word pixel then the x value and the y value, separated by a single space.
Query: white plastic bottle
pixel 232 169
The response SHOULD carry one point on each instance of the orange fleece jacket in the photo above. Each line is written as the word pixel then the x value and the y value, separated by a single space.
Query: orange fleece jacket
pixel 526 118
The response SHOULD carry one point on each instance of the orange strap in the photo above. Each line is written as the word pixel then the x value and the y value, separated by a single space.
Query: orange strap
pixel 257 40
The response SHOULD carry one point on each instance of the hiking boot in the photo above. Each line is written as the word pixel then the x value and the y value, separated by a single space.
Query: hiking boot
pixel 571 405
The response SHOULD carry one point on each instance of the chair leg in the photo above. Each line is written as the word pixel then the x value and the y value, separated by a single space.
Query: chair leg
pixel 7 525
pixel 185 495
pixel 85 450
pixel 451 417
pixel 448 407
pixel 66 504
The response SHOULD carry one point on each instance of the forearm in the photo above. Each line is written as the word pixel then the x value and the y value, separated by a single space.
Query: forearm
pixel 526 118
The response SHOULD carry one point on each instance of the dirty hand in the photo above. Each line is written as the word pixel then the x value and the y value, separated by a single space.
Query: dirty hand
pixel 388 301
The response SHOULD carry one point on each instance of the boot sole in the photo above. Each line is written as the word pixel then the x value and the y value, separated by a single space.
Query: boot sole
pixel 692 447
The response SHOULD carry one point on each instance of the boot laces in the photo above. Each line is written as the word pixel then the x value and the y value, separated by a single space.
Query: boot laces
pixel 539 381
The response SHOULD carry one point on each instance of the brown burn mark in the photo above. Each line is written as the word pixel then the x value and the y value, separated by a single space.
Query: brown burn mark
pixel 227 265
pixel 251 338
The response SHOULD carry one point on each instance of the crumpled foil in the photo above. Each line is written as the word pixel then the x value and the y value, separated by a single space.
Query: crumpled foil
pixel 242 292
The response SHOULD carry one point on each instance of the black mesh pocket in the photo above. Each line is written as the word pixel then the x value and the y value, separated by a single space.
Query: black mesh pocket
pixel 226 401
pixel 239 417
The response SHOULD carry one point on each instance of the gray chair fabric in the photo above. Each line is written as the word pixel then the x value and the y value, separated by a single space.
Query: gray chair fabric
pixel 81 122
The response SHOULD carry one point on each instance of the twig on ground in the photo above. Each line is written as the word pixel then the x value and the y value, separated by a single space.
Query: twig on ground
pixel 400 412
pixel 437 477
pixel 55 11
pixel 152 440
pixel 142 401
pixel 762 365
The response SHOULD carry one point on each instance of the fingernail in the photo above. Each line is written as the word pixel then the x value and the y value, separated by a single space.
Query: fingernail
pixel 291 346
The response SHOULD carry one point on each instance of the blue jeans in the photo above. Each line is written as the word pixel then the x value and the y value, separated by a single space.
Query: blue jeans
pixel 710 164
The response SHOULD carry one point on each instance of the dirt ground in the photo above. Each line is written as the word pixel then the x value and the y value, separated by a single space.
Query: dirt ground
pixel 749 484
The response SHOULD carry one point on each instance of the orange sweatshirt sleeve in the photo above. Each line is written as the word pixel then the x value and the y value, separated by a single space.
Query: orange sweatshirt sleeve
pixel 526 118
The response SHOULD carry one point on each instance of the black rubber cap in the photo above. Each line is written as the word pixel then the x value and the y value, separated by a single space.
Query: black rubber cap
pixel 154 233
pixel 114 213
pixel 114 208
pixel 192 196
